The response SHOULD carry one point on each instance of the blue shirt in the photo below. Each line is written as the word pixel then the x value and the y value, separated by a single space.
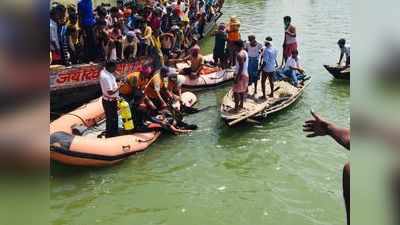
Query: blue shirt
pixel 85 10
pixel 269 57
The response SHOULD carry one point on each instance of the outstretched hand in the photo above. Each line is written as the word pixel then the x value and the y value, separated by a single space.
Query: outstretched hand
pixel 316 126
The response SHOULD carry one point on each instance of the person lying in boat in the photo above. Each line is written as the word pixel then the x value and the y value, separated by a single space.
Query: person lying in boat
pixel 171 123
pixel 196 63
pixel 146 117
pixel 344 51
pixel 292 69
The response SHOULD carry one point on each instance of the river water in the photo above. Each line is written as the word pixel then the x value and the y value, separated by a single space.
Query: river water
pixel 264 174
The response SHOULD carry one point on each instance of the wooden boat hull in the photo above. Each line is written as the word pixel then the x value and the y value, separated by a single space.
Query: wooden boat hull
pixel 338 72
pixel 255 109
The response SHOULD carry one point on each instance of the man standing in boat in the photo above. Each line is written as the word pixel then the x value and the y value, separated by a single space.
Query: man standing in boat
pixel 253 49
pixel 110 90
pixel 268 67
pixel 241 76
pixel 290 40
pixel 344 50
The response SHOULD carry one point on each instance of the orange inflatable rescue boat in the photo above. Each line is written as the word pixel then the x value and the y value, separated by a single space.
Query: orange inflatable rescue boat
pixel 87 149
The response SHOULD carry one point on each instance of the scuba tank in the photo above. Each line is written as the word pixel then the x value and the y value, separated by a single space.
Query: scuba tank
pixel 126 115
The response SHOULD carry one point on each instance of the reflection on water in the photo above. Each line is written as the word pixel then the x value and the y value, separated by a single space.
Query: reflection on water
pixel 263 174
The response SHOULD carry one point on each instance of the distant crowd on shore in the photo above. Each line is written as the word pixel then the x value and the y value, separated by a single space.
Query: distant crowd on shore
pixel 160 29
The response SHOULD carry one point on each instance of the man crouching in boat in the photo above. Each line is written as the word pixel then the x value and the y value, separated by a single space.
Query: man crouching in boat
pixel 156 88
pixel 174 85
pixel 241 76
pixel 293 69
pixel 196 63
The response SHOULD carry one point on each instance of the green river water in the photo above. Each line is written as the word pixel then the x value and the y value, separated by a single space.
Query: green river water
pixel 248 175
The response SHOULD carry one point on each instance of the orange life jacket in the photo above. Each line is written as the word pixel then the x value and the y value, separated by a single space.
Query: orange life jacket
pixel 127 88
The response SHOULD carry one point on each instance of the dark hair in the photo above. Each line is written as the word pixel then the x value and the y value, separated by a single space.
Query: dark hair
pixel 251 37
pixel 239 43
pixel 164 70
pixel 287 18
pixel 295 52
pixel 110 65
pixel 342 41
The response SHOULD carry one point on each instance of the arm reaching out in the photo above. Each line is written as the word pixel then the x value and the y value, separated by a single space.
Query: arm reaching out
pixel 320 127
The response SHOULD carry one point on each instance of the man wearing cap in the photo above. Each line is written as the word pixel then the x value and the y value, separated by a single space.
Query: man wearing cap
pixel 175 83
pixel 110 90
pixel 155 88
pixel 129 45
pixel 178 38
pixel 219 47
pixel 269 65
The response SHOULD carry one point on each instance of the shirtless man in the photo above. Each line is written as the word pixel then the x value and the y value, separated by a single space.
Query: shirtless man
pixel 290 41
pixel 196 63
pixel 241 76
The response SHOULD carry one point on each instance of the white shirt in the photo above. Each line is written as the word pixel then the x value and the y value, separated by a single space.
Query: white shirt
pixel 291 62
pixel 346 50
pixel 180 80
pixel 108 83
pixel 253 51
pixel 269 58
pixel 53 35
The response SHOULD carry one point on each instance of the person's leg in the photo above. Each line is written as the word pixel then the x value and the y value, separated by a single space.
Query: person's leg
pixel 114 118
pixel 90 43
pixel 346 190
pixel 263 80
pixel 236 100
pixel 111 113
pixel 118 45
pixel 241 100
pixel 271 84
pixel 292 76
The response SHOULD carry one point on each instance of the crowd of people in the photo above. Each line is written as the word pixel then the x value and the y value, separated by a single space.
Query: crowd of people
pixel 161 29
pixel 254 61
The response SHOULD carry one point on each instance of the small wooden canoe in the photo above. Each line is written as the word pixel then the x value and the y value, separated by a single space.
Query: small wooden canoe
pixel 253 108
pixel 338 72
pixel 210 77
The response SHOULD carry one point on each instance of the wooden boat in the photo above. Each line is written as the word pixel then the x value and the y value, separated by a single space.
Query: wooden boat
pixel 210 77
pixel 338 72
pixel 73 86
pixel 254 108
pixel 86 148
